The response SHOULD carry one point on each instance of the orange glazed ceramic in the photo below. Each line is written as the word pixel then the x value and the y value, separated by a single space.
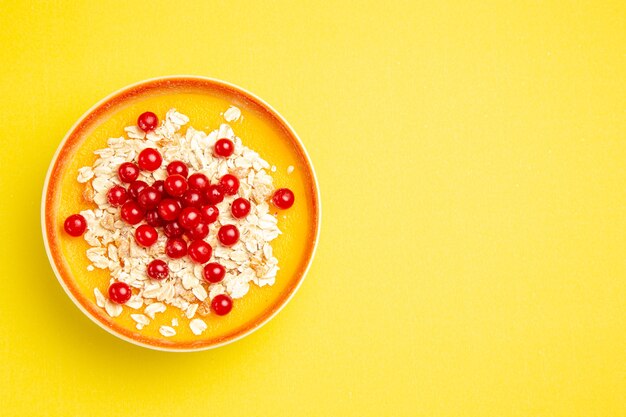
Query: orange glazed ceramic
pixel 204 100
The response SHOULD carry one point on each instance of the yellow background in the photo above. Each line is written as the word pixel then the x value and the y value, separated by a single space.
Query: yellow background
pixel 472 162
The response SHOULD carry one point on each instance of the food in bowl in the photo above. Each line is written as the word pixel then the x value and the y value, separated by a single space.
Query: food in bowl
pixel 178 224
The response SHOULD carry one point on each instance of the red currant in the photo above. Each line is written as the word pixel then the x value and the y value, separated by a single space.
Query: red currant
pixel 75 225
pixel 119 292
pixel 136 187
pixel 158 185
pixel 177 167
pixel 214 194
pixel 153 218
pixel 128 172
pixel 214 272
pixel 199 231
pixel 168 209
pixel 146 235
pixel 224 147
pixel 198 182
pixel 200 251
pixel 148 198
pixel 175 185
pixel 149 159
pixel 189 217
pixel 131 212
pixel 117 195
pixel 158 269
pixel 240 208
pixel 222 304
pixel 229 184
pixel 209 213
pixel 147 121
pixel 173 229
pixel 192 198
pixel 283 198
pixel 176 248
pixel 228 234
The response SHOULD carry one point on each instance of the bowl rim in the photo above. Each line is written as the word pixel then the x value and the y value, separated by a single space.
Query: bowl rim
pixel 256 325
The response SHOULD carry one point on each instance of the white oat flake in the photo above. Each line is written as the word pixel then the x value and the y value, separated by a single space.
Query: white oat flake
pixel 112 309
pixel 199 292
pixel 100 300
pixel 140 319
pixel 135 302
pixel 154 308
pixel 232 114
pixel 198 326
pixel 134 132
pixel 191 310
pixel 167 331
pixel 85 174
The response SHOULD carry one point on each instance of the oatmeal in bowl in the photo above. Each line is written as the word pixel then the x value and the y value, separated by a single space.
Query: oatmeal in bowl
pixel 183 230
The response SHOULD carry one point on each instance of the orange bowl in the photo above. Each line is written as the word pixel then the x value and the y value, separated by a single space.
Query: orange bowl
pixel 203 100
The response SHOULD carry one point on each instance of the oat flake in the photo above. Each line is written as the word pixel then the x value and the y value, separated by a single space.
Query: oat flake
pixel 197 326
pixel 167 331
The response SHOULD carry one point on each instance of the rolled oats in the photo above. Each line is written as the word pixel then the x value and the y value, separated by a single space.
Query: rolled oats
pixel 113 246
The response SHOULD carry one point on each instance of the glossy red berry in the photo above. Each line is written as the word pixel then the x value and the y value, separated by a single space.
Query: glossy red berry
pixel 149 159
pixel 153 218
pixel 240 208
pixel 283 198
pixel 176 248
pixel 175 185
pixel 168 209
pixel 131 212
pixel 209 213
pixel 117 195
pixel 128 172
pixel 146 235
pixel 189 217
pixel 198 182
pixel 177 167
pixel 75 225
pixel 199 231
pixel 148 198
pixel 158 185
pixel 158 269
pixel 214 194
pixel 229 184
pixel 173 229
pixel 222 304
pixel 228 235
pixel 224 147
pixel 147 121
pixel 214 272
pixel 119 292
pixel 136 187
pixel 192 198
pixel 200 251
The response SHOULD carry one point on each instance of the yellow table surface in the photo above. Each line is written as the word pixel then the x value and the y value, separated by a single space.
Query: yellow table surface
pixel 472 162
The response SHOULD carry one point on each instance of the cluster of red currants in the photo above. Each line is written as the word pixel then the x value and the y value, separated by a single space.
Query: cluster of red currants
pixel 183 206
